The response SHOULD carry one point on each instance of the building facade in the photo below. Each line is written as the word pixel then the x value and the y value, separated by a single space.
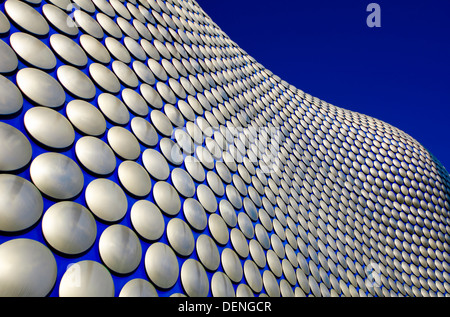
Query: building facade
pixel 143 153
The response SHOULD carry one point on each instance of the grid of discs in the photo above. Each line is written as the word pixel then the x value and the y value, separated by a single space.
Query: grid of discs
pixel 143 153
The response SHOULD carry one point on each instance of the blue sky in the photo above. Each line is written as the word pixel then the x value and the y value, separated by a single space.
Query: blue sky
pixel 399 73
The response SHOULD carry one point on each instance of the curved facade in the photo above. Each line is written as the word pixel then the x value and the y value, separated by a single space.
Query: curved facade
pixel 143 153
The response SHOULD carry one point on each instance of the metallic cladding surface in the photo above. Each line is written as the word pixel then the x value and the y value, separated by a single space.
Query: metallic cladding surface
pixel 143 153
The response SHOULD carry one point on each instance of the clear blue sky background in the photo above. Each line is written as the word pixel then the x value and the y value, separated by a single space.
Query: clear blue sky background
pixel 399 73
